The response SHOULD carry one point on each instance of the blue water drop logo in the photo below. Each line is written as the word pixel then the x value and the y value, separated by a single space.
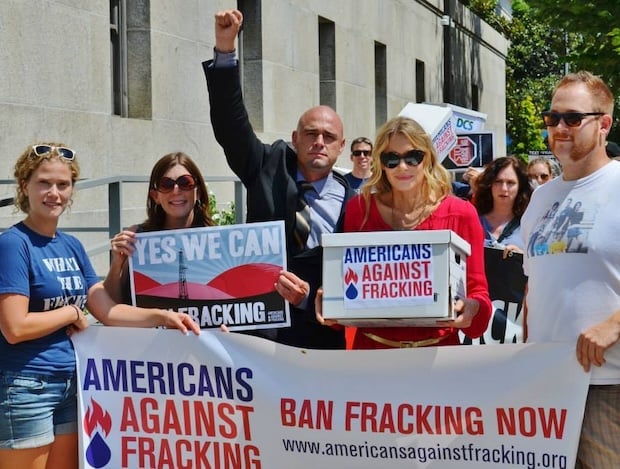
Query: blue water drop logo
pixel 98 453
pixel 351 292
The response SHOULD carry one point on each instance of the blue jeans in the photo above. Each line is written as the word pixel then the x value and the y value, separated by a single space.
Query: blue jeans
pixel 34 408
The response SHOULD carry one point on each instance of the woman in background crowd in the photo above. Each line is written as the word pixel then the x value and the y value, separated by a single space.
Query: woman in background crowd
pixel 42 300
pixel 502 195
pixel 410 190
pixel 540 171
pixel 177 198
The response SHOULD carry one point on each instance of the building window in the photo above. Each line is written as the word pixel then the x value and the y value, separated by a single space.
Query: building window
pixel 118 59
pixel 250 54
pixel 380 83
pixel 327 61
pixel 420 82
pixel 130 57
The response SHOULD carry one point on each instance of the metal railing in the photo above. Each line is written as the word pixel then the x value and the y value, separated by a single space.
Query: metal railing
pixel 115 204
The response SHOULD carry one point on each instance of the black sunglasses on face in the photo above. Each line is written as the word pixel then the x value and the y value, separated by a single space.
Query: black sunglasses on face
pixel 360 152
pixel 65 153
pixel 412 158
pixel 185 183
pixel 572 119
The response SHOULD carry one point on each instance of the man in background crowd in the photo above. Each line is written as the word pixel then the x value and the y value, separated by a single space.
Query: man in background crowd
pixel 361 156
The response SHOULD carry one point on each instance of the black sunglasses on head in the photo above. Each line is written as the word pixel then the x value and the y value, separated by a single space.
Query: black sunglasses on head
pixel 65 153
pixel 412 158
pixel 185 183
pixel 572 119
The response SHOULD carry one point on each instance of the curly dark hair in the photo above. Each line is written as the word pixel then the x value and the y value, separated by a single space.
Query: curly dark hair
pixel 483 198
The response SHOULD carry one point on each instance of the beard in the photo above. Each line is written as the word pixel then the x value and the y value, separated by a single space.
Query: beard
pixel 580 147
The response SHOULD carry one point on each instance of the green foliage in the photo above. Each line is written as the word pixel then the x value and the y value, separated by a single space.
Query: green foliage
pixel 485 9
pixel 548 37
pixel 533 66
pixel 591 41
pixel 224 216
pixel 526 127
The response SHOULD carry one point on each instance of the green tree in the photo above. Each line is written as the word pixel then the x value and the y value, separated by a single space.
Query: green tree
pixel 591 40
pixel 532 67
pixel 548 37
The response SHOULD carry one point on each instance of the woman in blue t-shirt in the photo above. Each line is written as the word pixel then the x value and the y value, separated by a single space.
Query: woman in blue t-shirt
pixel 45 285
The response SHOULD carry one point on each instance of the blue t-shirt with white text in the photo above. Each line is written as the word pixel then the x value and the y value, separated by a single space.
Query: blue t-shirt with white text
pixel 51 272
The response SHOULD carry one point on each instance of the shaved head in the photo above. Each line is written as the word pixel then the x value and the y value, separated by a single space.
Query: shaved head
pixel 319 141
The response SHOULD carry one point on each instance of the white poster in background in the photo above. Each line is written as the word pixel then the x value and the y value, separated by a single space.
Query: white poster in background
pixel 234 401
pixel 437 121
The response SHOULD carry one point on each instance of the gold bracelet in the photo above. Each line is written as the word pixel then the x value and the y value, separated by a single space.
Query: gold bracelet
pixel 77 310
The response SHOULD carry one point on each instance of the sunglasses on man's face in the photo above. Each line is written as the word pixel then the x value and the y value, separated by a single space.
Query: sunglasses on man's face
pixel 65 153
pixel 361 152
pixel 412 158
pixel 185 183
pixel 571 119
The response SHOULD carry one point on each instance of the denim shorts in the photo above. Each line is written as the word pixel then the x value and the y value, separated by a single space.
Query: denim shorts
pixel 34 408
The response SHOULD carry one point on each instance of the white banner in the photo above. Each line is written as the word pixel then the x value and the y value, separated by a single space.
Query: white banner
pixel 164 400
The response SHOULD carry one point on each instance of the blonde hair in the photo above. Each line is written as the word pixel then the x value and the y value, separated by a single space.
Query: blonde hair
pixel 29 161
pixel 436 184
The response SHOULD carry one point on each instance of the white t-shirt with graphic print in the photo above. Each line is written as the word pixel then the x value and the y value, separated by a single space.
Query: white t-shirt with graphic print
pixel 571 234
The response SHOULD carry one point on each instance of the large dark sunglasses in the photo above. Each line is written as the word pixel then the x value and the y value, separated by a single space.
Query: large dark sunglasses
pixel 65 153
pixel 185 183
pixel 412 158
pixel 572 119
pixel 361 152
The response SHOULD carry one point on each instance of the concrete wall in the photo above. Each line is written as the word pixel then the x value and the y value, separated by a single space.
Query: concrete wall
pixel 55 81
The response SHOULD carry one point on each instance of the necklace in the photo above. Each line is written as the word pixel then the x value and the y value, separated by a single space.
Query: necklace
pixel 407 220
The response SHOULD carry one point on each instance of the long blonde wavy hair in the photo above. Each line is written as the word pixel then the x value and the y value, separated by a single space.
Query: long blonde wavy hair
pixel 436 184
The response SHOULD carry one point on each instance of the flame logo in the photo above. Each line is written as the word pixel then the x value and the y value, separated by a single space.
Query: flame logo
pixel 98 453
pixel 350 279
pixel 97 416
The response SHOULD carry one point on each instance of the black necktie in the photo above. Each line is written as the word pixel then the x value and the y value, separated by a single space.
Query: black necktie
pixel 302 216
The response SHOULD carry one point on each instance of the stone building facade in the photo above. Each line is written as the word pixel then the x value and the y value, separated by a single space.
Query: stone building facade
pixel 120 81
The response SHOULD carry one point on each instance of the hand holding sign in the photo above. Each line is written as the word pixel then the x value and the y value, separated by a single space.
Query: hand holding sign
pixel 292 288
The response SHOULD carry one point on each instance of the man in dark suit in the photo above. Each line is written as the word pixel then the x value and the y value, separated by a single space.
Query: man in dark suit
pixel 279 177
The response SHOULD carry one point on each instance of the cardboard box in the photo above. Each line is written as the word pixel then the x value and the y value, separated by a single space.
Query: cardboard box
pixel 393 278
pixel 437 121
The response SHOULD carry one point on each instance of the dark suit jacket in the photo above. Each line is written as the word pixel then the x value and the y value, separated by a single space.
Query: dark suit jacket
pixel 268 172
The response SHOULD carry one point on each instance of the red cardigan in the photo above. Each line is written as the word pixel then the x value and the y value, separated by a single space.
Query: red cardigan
pixel 453 214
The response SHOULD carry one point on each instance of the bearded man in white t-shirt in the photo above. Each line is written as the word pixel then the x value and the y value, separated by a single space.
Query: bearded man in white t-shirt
pixel 574 291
